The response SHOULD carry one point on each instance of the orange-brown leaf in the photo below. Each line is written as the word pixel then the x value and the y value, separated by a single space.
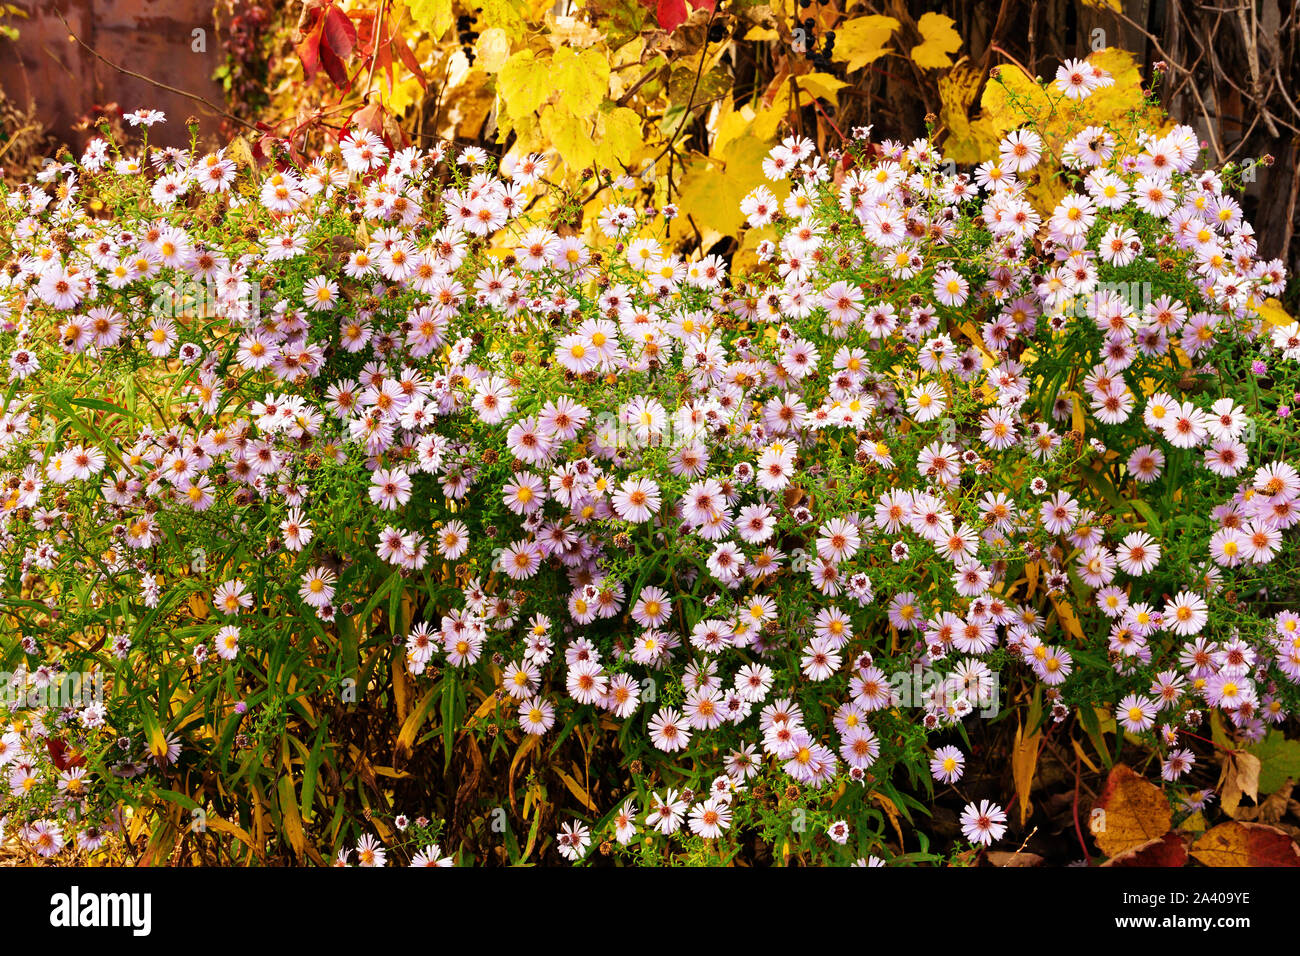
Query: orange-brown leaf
pixel 1136 812
pixel 1246 844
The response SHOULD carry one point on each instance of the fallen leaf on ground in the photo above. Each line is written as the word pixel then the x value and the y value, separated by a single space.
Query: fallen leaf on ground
pixel 1246 844
pixel 1135 812
pixel 1168 850
pixel 1239 777
pixel 1004 858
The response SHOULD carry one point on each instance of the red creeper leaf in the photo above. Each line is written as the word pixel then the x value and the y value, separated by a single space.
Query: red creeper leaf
pixel 340 34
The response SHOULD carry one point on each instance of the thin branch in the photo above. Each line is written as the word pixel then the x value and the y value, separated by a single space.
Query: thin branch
pixel 690 100
pixel 631 90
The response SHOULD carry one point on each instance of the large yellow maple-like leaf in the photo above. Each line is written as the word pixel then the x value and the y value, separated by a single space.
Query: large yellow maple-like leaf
pixel 581 77
pixel 1272 312
pixel 939 38
pixel 433 16
pixel 714 185
pixel 1012 98
pixel 619 134
pixel 821 86
pixel 522 86
pixel 863 40
pixel 570 135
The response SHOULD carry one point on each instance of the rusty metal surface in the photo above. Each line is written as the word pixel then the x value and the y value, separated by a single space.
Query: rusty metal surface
pixel 151 37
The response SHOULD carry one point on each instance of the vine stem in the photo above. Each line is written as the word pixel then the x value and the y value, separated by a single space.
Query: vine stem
pixel 1078 830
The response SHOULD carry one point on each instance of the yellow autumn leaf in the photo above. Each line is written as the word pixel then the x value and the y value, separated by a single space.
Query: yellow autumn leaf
pixel 973 335
pixel 821 86
pixel 522 86
pixel 241 153
pixel 1122 106
pixel 570 136
pixel 1024 762
pixel 157 740
pixel 575 788
pixel 528 136
pixel 620 135
pixel 1013 99
pixel 411 726
pixel 746 256
pixel 401 689
pixel 1078 418
pixel 732 123
pixel 621 61
pixel 290 817
pixel 1238 844
pixel 939 39
pixel 891 810
pixel 1069 621
pixel 492 49
pixel 1238 778
pixel 1271 311
pixel 767 121
pixel 402 94
pixel 214 822
pixel 468 107
pixel 863 40
pixel 713 187
pixel 582 79
pixel 433 16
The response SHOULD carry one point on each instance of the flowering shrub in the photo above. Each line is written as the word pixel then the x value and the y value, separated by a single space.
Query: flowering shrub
pixel 388 435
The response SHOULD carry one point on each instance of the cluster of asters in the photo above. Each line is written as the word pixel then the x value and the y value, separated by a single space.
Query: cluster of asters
pixel 761 496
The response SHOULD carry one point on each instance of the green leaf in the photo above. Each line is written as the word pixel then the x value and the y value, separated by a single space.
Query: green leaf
pixel 392 581
pixel 1279 759
pixel 102 406
pixel 1146 511
pixel 449 686
pixel 311 771
pixel 1092 726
